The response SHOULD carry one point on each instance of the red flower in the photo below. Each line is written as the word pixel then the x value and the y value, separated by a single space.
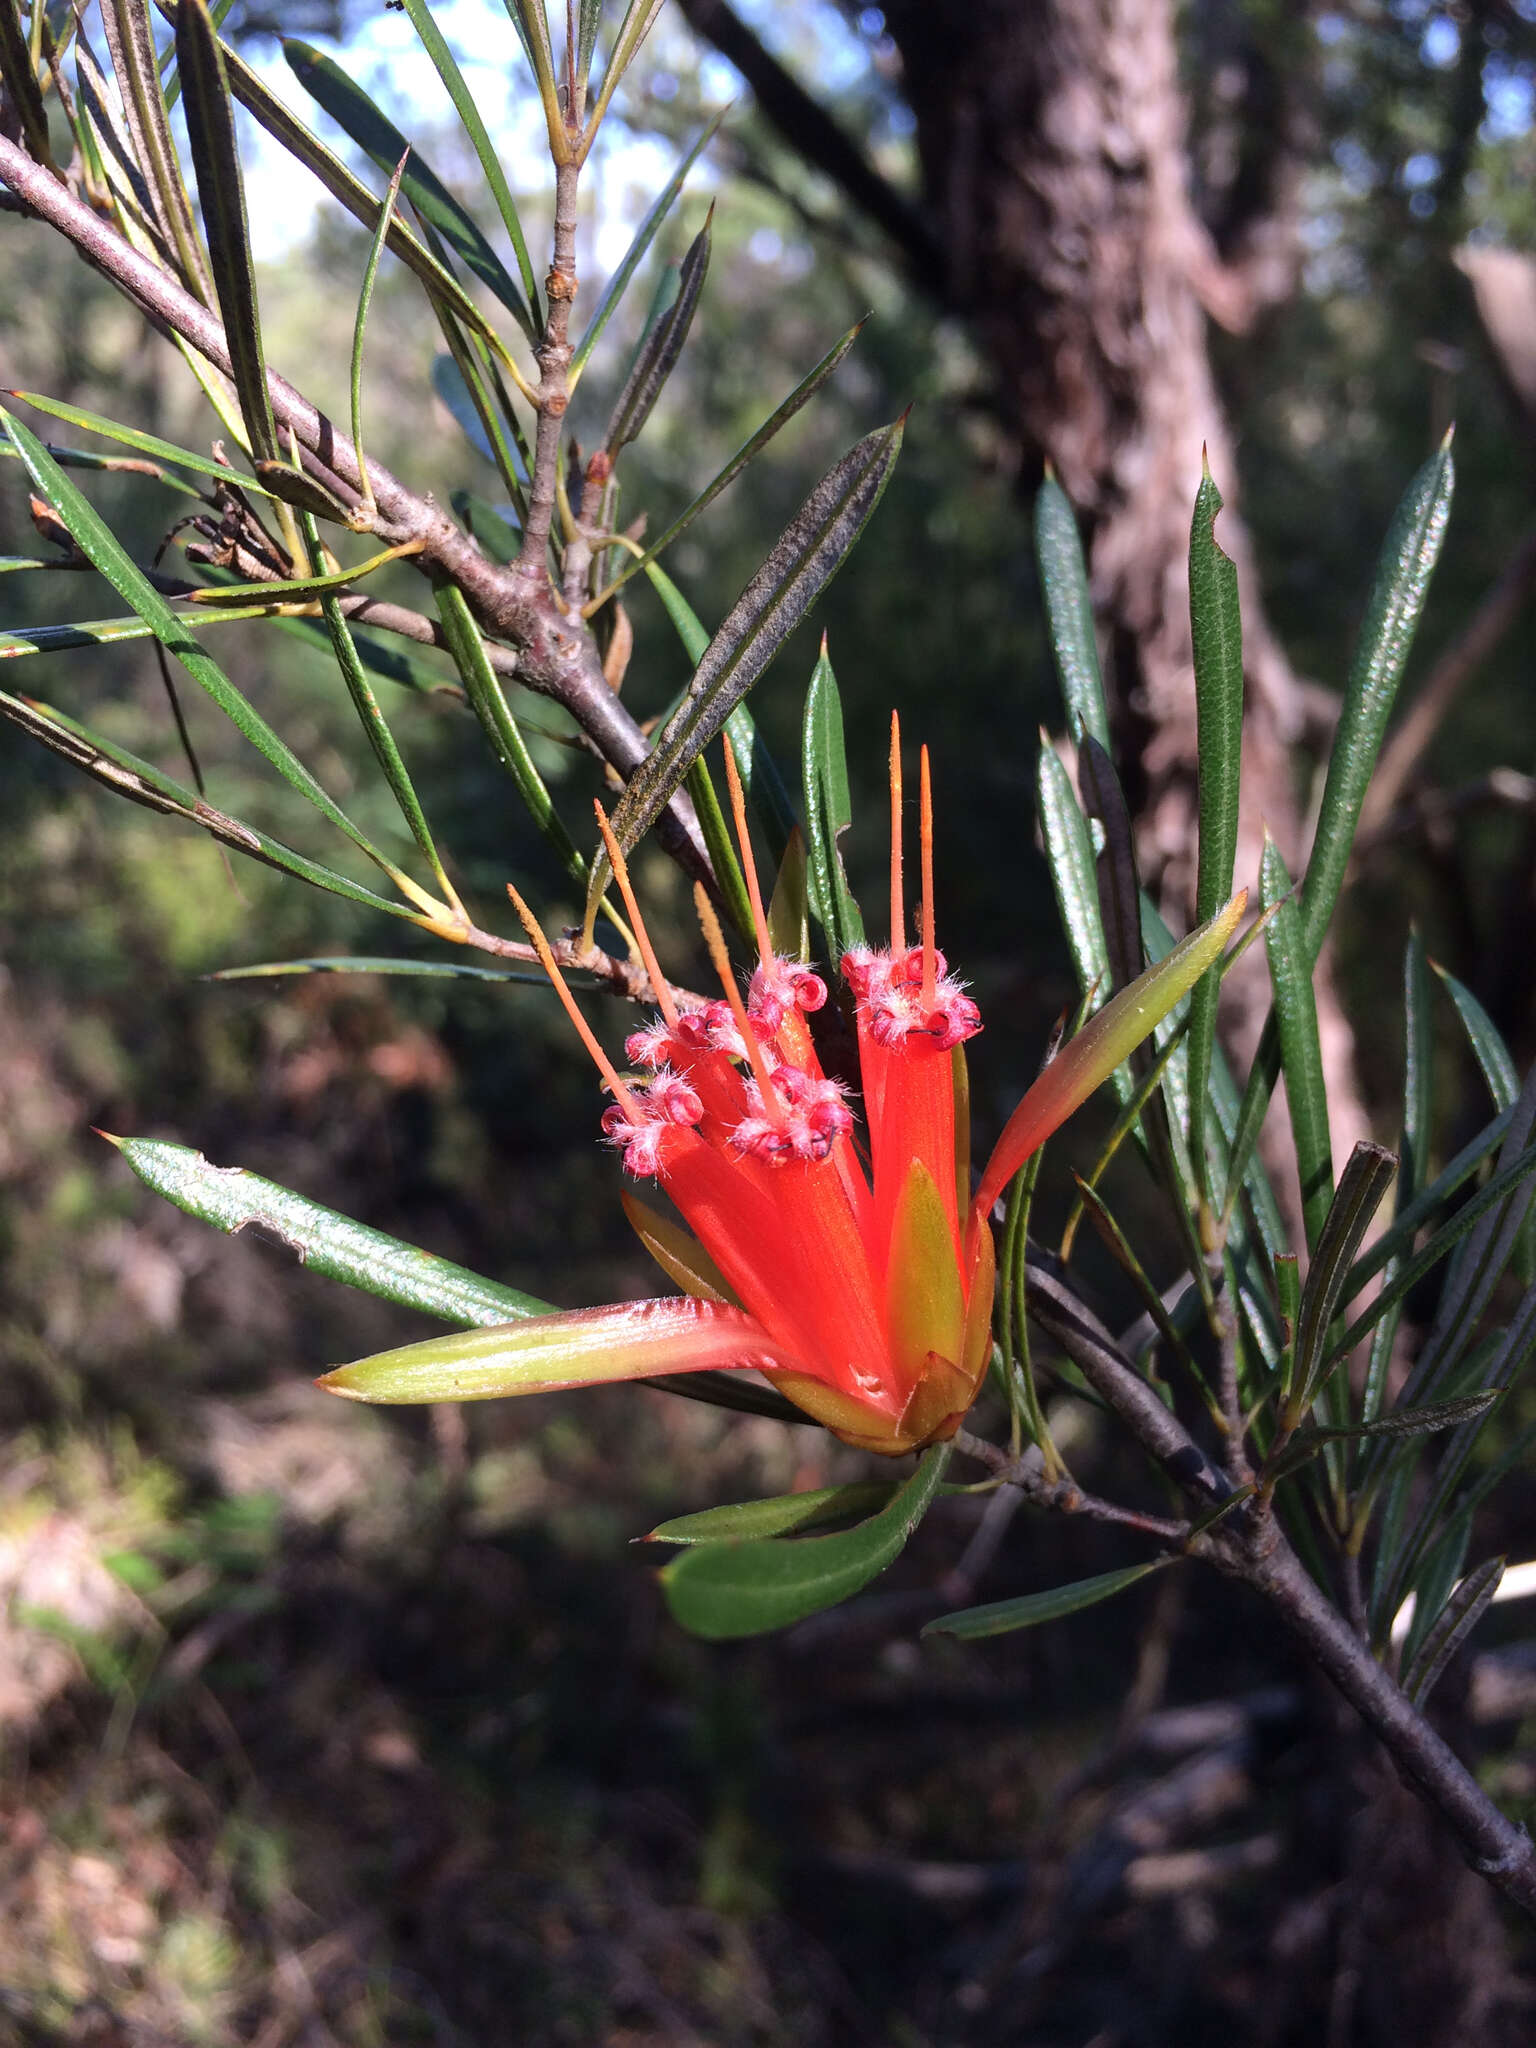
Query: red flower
pixel 854 1270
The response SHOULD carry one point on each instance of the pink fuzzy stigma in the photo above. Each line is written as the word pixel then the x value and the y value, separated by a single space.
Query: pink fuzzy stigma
pixel 668 1104
pixel 889 991
pixel 812 1117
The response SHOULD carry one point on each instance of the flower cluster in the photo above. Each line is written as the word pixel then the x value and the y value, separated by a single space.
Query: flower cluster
pixel 852 1267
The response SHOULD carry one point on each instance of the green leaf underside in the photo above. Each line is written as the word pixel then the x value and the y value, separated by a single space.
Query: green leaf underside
pixel 729 1590
pixel 1002 1617
pixel 787 1514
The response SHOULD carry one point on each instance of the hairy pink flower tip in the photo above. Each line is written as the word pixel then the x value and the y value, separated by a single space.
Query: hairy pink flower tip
pixel 812 1117
pixel 668 1104
pixel 782 986
pixel 889 991
pixel 709 1029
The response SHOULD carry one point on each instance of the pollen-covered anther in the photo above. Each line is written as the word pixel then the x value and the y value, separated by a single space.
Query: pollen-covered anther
pixel 812 1117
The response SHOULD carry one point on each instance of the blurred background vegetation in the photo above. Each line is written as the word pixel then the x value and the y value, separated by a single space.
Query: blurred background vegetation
pixel 331 1726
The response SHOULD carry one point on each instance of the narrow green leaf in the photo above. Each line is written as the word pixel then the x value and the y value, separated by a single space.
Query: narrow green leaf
pixel 378 137
pixel 727 1590
pixel 1119 888
pixel 368 963
pixel 1216 625
pixel 1355 1201
pixel 828 813
pixel 360 323
pixel 1002 1617
pixel 18 74
pixel 469 114
pixel 221 189
pixel 382 741
pixel 802 563
pixel 483 686
pixel 333 1245
pixel 644 235
pixel 1413 1149
pixel 130 41
pixel 323 1240
pixel 788 1514
pixel 126 775
pixel 749 449
pixel 1450 1628
pixel 1498 1070
pixel 1069 854
pixel 760 778
pixel 264 106
pixel 1069 612
pixel 1290 967
pixel 26 640
pixel 1401 1423
pixel 150 445
pixel 1403 572
pixel 1508 1181
pixel 1406 1226
pixel 659 354
pixel 96 540
pixel 1392 613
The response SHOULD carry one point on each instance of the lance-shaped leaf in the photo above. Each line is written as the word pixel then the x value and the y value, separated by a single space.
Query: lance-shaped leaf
pixel 1398 594
pixel 828 812
pixel 483 687
pixel 125 24
pixel 126 775
pixel 658 354
pixel 374 963
pixel 151 445
pixel 1499 1071
pixel 1393 610
pixel 97 541
pixel 746 453
pixel 378 137
pixel 759 772
pixel 634 255
pixel 1103 1043
pixel 333 1245
pixel 1003 1617
pixel 806 558
pixel 221 189
pixel 583 1347
pixel 1511 1181
pixel 788 1514
pixel 1413 1147
pixel 19 78
pixel 1399 1235
pixel 728 1590
pixel 1401 1423
pixel 1451 1627
pixel 1355 1202
pixel 1290 967
pixel 1216 626
pixel 325 1241
pixel 1069 612
pixel 469 114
